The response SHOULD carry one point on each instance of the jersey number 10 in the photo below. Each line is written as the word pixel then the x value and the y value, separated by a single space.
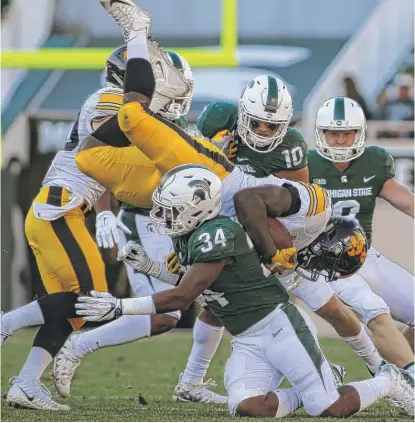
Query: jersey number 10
pixel 293 157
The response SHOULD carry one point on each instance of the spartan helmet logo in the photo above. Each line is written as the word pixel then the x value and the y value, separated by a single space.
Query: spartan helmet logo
pixel 344 179
pixel 202 189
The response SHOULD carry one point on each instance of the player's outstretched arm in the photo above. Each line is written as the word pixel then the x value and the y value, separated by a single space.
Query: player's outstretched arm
pixel 399 196
pixel 101 306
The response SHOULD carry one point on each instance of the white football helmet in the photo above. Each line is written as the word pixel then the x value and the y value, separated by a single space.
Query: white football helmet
pixel 265 99
pixel 174 82
pixel 187 196
pixel 340 114
pixel 179 106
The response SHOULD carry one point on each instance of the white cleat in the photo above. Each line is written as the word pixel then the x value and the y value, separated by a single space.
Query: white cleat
pixel 32 394
pixel 401 393
pixel 170 81
pixel 128 16
pixel 5 330
pixel 339 374
pixel 64 367
pixel 187 392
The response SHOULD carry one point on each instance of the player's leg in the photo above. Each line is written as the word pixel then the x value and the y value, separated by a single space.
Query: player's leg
pixel 166 144
pixel 310 374
pixel 127 328
pixel 207 334
pixel 121 171
pixel 251 383
pixel 374 313
pixel 69 261
pixel 319 297
pixel 392 283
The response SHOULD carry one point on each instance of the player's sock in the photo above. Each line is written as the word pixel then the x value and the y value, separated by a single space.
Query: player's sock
pixel 371 390
pixel 409 367
pixel 364 347
pixel 125 329
pixel 37 362
pixel 288 402
pixel 137 47
pixel 206 340
pixel 47 343
pixel 23 317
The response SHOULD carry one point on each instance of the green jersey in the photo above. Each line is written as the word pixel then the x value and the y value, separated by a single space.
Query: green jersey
pixel 241 296
pixel 354 191
pixel 291 154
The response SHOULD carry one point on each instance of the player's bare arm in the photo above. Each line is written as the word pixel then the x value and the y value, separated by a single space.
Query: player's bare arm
pixel 298 175
pixel 199 277
pixel 399 196
pixel 102 306
pixel 253 206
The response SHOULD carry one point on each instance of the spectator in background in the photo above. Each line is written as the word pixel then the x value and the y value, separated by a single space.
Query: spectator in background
pixel 351 91
pixel 398 103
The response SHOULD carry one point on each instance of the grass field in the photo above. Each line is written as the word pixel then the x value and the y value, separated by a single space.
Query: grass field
pixel 135 382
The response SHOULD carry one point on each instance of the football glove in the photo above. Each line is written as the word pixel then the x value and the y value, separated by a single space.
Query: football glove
pixel 173 264
pixel 106 227
pixel 284 259
pixel 136 256
pixel 98 307
pixel 226 143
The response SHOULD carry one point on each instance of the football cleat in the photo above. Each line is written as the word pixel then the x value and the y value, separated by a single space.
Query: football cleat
pixel 171 83
pixel 64 367
pixel 187 392
pixel 128 16
pixel 5 330
pixel 401 392
pixel 339 374
pixel 32 394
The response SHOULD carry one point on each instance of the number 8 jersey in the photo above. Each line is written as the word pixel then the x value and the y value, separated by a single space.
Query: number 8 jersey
pixel 354 191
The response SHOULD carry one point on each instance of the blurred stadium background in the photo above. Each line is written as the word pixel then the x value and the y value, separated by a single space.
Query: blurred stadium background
pixel 53 53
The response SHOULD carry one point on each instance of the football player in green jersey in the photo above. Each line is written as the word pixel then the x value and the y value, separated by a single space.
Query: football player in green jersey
pixel 285 156
pixel 272 338
pixel 354 176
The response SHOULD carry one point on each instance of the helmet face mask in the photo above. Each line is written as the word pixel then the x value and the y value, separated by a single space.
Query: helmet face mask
pixel 115 67
pixel 264 103
pixel 179 106
pixel 340 114
pixel 187 196
pixel 337 253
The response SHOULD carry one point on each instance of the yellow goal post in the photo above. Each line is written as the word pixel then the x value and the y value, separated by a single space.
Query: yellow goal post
pixel 94 58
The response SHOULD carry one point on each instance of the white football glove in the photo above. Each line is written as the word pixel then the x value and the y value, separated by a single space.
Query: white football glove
pixel 98 307
pixel 106 227
pixel 136 256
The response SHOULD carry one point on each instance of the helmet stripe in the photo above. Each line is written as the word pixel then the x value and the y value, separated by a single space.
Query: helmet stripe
pixel 272 98
pixel 339 113
pixel 177 61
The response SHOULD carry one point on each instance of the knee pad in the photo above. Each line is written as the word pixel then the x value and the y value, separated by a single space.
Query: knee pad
pixel 130 115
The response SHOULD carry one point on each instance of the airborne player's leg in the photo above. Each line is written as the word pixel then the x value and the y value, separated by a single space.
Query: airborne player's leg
pixel 164 143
